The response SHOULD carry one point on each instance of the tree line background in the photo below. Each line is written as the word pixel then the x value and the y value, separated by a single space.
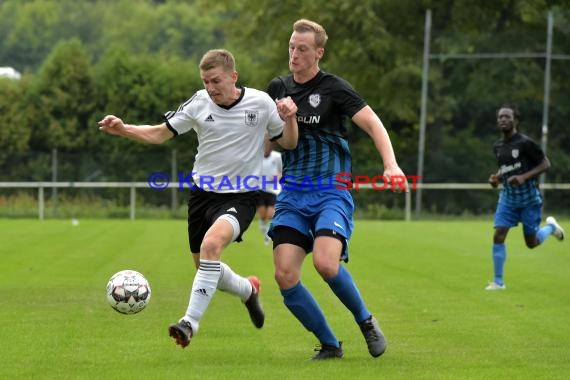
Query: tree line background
pixel 138 59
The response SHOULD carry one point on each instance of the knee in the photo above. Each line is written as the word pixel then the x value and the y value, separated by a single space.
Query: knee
pixel 326 268
pixel 286 278
pixel 210 249
pixel 499 237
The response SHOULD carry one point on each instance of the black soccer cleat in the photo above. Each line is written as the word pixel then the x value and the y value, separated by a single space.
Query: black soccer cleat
pixel 374 337
pixel 253 305
pixel 181 332
pixel 325 352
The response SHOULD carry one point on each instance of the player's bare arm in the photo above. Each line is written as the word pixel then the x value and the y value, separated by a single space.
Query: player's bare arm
pixel 494 180
pixel 288 111
pixel 517 180
pixel 369 122
pixel 150 134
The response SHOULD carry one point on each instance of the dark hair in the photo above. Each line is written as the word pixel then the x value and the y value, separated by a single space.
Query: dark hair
pixel 514 108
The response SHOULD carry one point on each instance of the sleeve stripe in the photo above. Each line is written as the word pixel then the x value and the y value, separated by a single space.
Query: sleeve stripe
pixel 174 131
pixel 276 137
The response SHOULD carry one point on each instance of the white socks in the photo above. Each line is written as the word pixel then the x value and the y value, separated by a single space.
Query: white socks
pixel 203 289
pixel 264 227
pixel 233 283
pixel 213 275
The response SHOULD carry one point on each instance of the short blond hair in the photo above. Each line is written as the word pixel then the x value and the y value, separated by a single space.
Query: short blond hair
pixel 304 25
pixel 218 57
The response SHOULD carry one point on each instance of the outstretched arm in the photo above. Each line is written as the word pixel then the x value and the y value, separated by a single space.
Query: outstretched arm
pixel 150 134
pixel 370 123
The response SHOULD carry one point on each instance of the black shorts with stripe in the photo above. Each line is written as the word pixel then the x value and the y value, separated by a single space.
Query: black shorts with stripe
pixel 204 207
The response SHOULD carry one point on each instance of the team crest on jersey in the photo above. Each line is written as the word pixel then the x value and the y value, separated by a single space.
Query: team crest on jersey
pixel 315 100
pixel 251 118
pixel 515 153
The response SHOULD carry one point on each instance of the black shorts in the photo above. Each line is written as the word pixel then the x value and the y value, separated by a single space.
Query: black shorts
pixel 204 207
pixel 266 199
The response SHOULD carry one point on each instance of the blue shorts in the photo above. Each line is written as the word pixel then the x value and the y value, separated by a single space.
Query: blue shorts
pixel 309 212
pixel 529 216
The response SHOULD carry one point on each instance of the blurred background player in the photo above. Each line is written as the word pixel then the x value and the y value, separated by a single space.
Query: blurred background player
pixel 520 161
pixel 271 172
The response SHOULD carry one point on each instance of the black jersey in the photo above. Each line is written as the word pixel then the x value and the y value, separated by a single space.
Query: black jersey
pixel 324 103
pixel 515 156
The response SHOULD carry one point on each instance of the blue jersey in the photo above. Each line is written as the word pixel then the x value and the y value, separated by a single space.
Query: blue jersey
pixel 322 159
pixel 515 156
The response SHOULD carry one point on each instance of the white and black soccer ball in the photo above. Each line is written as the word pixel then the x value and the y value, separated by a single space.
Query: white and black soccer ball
pixel 128 292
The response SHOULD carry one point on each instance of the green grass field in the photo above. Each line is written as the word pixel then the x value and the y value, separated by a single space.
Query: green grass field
pixel 423 280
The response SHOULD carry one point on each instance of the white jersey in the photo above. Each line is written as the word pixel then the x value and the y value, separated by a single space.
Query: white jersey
pixel 230 139
pixel 271 169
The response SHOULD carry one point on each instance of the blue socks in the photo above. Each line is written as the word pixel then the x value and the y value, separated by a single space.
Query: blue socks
pixel 304 307
pixel 345 289
pixel 499 258
pixel 500 252
pixel 544 232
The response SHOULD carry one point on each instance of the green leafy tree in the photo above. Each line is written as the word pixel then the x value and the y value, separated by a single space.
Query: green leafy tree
pixel 28 32
pixel 144 58
pixel 378 45
pixel 64 97
pixel 141 90
pixel 14 136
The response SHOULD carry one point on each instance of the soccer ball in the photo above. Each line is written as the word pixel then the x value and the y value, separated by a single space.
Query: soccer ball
pixel 128 292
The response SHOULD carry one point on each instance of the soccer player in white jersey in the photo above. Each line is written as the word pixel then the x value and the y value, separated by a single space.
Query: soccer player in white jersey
pixel 231 123
pixel 269 188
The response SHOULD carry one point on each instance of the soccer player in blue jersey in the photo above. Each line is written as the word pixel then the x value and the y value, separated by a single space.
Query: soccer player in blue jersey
pixel 312 213
pixel 520 162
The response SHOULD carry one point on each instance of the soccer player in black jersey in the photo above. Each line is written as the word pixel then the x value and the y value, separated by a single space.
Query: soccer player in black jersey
pixel 313 212
pixel 520 161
